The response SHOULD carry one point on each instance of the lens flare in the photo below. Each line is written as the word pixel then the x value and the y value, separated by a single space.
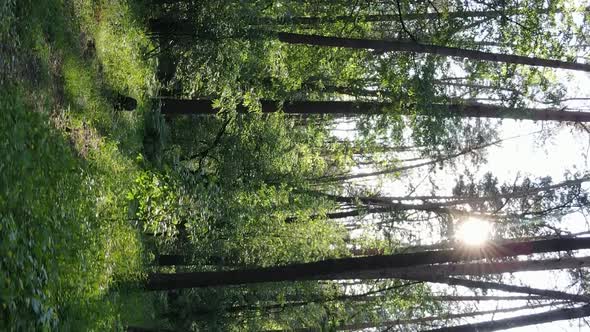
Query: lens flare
pixel 474 232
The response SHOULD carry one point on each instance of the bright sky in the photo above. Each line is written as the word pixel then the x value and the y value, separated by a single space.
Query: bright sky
pixel 566 149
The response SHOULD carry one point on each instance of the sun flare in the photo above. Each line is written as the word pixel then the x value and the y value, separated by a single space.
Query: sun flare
pixel 473 231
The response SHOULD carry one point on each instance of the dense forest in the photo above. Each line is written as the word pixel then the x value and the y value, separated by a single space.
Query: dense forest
pixel 294 165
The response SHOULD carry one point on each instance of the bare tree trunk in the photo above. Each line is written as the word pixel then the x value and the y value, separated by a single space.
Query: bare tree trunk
pixel 457 200
pixel 314 20
pixel 472 269
pixel 331 268
pixel 361 326
pixel 509 288
pixel 187 27
pixel 415 47
pixel 172 107
pixel 453 244
pixel 473 86
pixel 384 208
pixel 391 207
pixel 509 323
pixel 479 298
pixel 408 167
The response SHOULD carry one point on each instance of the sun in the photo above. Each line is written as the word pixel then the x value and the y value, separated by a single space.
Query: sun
pixel 473 231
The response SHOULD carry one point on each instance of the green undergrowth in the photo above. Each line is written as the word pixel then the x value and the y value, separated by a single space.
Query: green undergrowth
pixel 67 161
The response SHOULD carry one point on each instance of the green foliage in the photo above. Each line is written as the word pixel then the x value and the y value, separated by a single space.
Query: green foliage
pixel 26 265
pixel 62 248
pixel 65 238
pixel 246 186
pixel 120 45
pixel 154 203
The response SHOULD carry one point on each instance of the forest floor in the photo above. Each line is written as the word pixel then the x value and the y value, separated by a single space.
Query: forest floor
pixel 67 161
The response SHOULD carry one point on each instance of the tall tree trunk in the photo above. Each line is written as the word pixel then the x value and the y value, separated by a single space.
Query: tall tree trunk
pixel 344 214
pixel 453 244
pixel 384 208
pixel 474 86
pixel 364 297
pixel 509 323
pixel 415 47
pixel 485 285
pixel 390 207
pixel 479 298
pixel 455 200
pixel 186 27
pixel 472 269
pixel 331 268
pixel 171 107
pixel 314 20
pixel 408 167
pixel 389 323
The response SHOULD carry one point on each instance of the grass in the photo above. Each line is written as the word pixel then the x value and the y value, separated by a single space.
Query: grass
pixel 67 161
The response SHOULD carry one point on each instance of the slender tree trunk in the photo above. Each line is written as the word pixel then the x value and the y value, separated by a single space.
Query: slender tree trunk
pixel 415 47
pixel 509 323
pixel 172 107
pixel 485 285
pixel 453 244
pixel 345 214
pixel 187 27
pixel 386 207
pixel 314 20
pixel 453 200
pixel 515 194
pixel 473 86
pixel 472 269
pixel 388 323
pixel 479 298
pixel 330 269
pixel 381 148
pixel 364 297
pixel 408 167
pixel 170 28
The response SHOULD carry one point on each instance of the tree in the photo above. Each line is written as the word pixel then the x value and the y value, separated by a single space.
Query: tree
pixel 411 46
pixel 508 323
pixel 486 285
pixel 331 269
pixel 528 188
pixel 472 269
pixel 172 107
pixel 179 27
pixel 478 298
pixel 440 319
pixel 434 161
